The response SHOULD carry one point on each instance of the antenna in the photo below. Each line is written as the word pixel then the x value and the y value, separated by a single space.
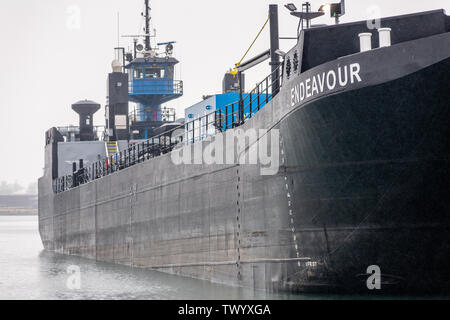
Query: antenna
pixel 118 29
pixel 147 36
pixel 147 26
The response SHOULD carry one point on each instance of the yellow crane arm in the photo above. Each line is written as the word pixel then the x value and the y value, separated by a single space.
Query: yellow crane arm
pixel 234 70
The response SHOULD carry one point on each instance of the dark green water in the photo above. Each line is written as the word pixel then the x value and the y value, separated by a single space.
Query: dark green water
pixel 28 272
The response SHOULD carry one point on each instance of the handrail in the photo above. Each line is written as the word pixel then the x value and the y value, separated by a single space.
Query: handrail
pixel 139 86
pixel 137 153
pixel 257 98
pixel 260 94
pixel 166 113
pixel 99 131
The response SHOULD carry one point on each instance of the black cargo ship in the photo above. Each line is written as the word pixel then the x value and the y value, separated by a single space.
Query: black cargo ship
pixel 362 116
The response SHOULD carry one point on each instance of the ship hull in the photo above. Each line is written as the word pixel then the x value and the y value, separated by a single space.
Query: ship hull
pixel 363 182
pixel 368 171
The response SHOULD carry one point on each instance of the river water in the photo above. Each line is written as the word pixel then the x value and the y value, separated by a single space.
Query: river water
pixel 28 272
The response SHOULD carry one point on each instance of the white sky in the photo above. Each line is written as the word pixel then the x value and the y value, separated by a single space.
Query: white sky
pixel 47 65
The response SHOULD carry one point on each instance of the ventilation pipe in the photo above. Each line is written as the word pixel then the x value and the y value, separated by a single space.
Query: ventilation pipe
pixel 365 40
pixel 116 66
pixel 385 37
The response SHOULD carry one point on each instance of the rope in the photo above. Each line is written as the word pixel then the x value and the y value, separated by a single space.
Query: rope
pixel 248 50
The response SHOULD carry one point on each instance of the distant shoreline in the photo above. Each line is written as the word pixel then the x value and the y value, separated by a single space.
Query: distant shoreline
pixel 6 214
pixel 18 211
pixel 18 205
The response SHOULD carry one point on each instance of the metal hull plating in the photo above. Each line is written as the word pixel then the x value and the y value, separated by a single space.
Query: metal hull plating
pixel 363 181
pixel 368 171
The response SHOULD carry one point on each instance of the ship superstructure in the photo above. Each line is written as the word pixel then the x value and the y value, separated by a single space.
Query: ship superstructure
pixel 151 82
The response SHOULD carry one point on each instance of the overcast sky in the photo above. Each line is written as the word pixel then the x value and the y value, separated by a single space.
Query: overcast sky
pixel 51 59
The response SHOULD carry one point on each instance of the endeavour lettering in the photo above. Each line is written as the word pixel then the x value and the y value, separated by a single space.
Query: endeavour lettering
pixel 345 75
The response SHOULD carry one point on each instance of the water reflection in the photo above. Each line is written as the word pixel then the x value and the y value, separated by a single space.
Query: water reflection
pixel 28 272
pixel 107 281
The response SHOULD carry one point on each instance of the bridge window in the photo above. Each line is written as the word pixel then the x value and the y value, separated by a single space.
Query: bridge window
pixel 152 73
pixel 138 73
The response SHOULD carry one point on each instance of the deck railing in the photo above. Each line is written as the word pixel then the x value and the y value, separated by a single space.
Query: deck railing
pixel 237 113
pixel 139 115
pixel 155 86
pixel 136 153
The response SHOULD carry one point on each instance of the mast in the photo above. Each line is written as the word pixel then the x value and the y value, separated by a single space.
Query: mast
pixel 274 46
pixel 147 26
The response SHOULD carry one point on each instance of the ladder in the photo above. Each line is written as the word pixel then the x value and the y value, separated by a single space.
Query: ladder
pixel 111 148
